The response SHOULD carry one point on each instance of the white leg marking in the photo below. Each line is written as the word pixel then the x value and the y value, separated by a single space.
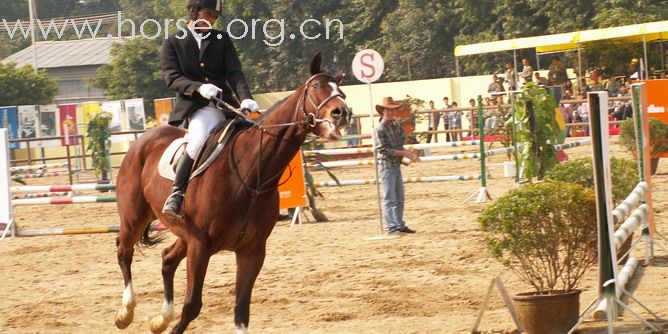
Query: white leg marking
pixel 128 295
pixel 126 313
pixel 242 330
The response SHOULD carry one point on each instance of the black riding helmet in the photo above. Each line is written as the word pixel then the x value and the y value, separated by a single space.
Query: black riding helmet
pixel 213 5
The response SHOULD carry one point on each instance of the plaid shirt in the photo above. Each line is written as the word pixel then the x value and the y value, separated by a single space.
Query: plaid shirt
pixel 389 139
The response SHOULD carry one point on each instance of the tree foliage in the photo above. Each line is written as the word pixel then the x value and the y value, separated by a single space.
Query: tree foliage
pixel 537 130
pixel 21 86
pixel 416 38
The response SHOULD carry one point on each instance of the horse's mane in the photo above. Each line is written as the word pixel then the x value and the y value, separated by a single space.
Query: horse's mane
pixel 274 107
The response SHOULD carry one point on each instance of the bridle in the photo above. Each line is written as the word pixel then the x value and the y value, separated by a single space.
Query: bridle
pixel 309 121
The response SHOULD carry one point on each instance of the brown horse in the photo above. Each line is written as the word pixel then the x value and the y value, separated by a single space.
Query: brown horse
pixel 232 206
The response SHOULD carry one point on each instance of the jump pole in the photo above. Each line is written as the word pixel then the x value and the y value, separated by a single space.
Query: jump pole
pixel 483 194
pixel 608 287
pixel 6 216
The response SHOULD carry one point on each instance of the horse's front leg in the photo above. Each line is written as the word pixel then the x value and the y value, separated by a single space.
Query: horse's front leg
pixel 171 258
pixel 198 260
pixel 248 267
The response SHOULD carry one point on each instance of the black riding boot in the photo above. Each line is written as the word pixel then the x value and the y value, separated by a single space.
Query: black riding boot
pixel 173 204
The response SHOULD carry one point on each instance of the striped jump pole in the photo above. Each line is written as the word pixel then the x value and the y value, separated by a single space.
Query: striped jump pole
pixel 462 156
pixel 406 180
pixel 20 169
pixel 22 177
pixel 64 200
pixel 41 195
pixel 75 187
pixel 565 146
pixel 356 150
pixel 79 230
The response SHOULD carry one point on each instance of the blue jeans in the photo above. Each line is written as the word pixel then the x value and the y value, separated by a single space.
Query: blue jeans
pixel 393 197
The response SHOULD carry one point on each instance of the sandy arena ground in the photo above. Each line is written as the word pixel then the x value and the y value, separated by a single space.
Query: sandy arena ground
pixel 317 278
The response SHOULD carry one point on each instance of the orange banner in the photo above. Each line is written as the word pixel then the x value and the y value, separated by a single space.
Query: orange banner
pixel 292 193
pixel 657 101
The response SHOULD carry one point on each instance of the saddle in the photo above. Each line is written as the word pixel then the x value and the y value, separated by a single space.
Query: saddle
pixel 211 149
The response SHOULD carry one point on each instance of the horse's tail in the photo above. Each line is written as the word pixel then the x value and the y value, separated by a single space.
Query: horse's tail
pixel 149 239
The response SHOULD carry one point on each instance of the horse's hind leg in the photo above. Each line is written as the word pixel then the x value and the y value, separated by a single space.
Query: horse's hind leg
pixel 135 216
pixel 198 260
pixel 171 258
pixel 248 267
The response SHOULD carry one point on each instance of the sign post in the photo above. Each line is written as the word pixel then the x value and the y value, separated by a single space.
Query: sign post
pixel 368 67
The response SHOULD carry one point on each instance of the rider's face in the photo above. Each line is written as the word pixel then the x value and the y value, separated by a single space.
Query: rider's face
pixel 208 15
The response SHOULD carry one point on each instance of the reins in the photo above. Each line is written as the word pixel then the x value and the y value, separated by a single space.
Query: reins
pixel 310 120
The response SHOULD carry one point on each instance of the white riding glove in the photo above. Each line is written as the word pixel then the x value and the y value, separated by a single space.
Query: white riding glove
pixel 208 91
pixel 250 105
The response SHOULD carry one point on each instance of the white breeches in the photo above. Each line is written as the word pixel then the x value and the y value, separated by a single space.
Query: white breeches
pixel 202 122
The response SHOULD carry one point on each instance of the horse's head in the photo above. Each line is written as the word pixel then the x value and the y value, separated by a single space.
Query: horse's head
pixel 324 103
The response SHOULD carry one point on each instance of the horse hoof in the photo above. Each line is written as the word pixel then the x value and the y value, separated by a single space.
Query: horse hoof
pixel 124 317
pixel 159 324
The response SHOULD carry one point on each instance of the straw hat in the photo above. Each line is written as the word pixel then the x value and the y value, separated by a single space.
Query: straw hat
pixel 388 103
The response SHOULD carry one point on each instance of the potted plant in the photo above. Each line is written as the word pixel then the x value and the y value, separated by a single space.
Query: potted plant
pixel 545 233
pixel 623 172
pixel 658 140
pixel 624 176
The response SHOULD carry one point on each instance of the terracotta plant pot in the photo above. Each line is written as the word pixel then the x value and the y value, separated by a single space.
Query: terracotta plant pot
pixel 556 313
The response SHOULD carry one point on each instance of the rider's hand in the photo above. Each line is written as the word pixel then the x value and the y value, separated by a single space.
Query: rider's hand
pixel 249 104
pixel 208 91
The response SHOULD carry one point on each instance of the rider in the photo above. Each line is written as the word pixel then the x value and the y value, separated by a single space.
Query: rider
pixel 200 64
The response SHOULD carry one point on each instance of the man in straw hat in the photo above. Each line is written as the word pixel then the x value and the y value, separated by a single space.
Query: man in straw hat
pixel 390 145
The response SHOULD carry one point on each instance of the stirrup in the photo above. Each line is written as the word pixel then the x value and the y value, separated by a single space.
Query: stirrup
pixel 169 210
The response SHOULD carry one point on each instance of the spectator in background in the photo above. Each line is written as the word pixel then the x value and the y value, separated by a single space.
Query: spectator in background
pixel 582 113
pixel 353 130
pixel 434 120
pixel 511 76
pixel 556 76
pixel 491 88
pixel 566 108
pixel 582 86
pixel 446 119
pixel 527 71
pixel 622 110
pixel 540 80
pixel 634 69
pixel 455 122
pixel 603 83
pixel 594 76
pixel 473 115
pixel 612 86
